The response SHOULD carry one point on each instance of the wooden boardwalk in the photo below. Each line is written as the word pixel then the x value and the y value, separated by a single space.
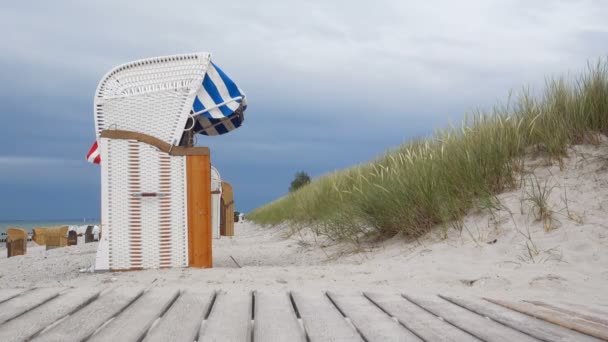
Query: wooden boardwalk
pixel 170 314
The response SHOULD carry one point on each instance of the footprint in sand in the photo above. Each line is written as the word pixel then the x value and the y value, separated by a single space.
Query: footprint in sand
pixel 510 265
pixel 549 281
pixel 487 282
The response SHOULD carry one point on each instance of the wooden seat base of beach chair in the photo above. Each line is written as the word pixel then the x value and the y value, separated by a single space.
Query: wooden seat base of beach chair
pixel 152 211
pixel 15 247
pixel 56 241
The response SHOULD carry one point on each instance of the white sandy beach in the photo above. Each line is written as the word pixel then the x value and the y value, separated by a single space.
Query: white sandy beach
pixel 570 263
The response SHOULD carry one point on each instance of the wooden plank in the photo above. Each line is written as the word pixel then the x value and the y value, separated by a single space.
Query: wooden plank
pixel 275 319
pixel 83 323
pixel 596 311
pixel 198 188
pixel 27 325
pixel 567 321
pixel 524 323
pixel 133 323
pixel 371 322
pixel 322 320
pixel 183 320
pixel 6 294
pixel 27 301
pixel 230 319
pixel 580 315
pixel 478 326
pixel 424 324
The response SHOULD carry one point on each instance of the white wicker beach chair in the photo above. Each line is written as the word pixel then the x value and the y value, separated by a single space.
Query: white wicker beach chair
pixel 143 188
pixel 216 194
pixel 141 114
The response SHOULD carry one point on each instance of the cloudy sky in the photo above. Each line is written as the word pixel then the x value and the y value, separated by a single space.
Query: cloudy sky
pixel 329 83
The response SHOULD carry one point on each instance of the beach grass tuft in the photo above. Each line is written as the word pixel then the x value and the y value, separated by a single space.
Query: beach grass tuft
pixel 436 181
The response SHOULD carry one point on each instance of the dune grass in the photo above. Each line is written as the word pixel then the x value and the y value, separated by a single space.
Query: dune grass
pixel 435 181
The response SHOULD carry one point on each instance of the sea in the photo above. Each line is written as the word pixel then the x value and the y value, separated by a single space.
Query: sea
pixel 28 225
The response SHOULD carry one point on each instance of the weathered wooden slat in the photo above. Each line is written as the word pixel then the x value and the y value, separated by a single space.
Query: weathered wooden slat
pixel 524 323
pixel 230 318
pixel 183 320
pixel 33 321
pixel 322 321
pixel 595 311
pixel 84 322
pixel 371 322
pixel 27 301
pixel 133 323
pixel 581 315
pixel 479 326
pixel 275 319
pixel 6 294
pixel 424 324
pixel 567 321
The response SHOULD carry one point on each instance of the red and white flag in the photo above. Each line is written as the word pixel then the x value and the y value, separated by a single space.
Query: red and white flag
pixel 94 154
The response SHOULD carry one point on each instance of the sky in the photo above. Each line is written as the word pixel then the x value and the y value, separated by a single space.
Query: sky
pixel 329 84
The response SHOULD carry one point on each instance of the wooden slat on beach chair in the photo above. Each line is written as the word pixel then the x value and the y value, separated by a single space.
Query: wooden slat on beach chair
pixel 424 324
pixel 567 321
pixel 183 320
pixel 230 318
pixel 133 323
pixel 33 321
pixel 471 322
pixel 27 301
pixel 275 318
pixel 322 320
pixel 7 294
pixel 524 323
pixel 84 322
pixel 371 322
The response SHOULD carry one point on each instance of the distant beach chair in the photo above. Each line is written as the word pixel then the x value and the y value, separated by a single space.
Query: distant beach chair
pixel 227 210
pixel 72 238
pixel 39 236
pixel 156 187
pixel 16 242
pixel 88 235
pixel 216 194
pixel 56 237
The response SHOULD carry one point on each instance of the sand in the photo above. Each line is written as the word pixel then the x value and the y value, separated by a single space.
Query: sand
pixel 488 257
